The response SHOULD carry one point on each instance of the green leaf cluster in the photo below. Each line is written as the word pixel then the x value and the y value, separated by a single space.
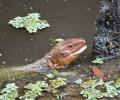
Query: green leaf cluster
pixel 9 92
pixel 55 41
pixel 92 89
pixel 98 60
pixel 50 75
pixel 31 22
pixel 117 83
pixel 58 82
pixel 91 92
pixel 79 81
pixel 34 90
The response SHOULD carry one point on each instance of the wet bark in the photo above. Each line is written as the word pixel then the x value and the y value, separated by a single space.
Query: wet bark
pixel 107 37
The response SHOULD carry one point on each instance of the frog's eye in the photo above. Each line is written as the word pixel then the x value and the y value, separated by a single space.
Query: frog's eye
pixel 70 46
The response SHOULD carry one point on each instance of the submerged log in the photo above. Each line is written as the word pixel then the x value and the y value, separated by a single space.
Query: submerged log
pixel 107 37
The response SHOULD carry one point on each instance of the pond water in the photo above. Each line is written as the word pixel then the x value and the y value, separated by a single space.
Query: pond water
pixel 68 19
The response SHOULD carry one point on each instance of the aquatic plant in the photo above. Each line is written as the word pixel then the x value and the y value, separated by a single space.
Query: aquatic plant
pixel 58 82
pixel 31 22
pixel 98 60
pixel 117 83
pixel 58 97
pixel 34 90
pixel 50 75
pixel 78 81
pixel 111 90
pixel 54 41
pixel 10 92
pixel 59 40
pixel 92 89
pixel 91 92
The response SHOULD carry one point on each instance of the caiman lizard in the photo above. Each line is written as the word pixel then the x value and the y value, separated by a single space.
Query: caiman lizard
pixel 61 55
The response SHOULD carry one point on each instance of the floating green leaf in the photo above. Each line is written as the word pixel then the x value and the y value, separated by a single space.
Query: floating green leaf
pixel 50 75
pixel 10 92
pixel 58 82
pixel 54 41
pixel 79 81
pixel 98 60
pixel 91 92
pixel 58 97
pixel 59 40
pixel 112 91
pixel 31 22
pixel 34 90
pixel 117 83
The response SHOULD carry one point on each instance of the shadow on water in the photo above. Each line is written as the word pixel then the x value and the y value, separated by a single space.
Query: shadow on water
pixel 68 18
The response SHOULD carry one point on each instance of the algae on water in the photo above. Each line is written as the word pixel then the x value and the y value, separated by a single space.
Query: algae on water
pixel 98 60
pixel 9 92
pixel 31 22
pixel 58 82
pixel 90 91
pixel 34 90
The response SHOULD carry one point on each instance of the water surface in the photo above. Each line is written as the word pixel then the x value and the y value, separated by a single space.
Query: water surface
pixel 68 19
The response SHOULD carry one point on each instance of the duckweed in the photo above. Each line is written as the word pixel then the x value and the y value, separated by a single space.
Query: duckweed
pixel 9 92
pixel 34 90
pixel 58 82
pixel 91 89
pixel 55 41
pixel 79 81
pixel 59 40
pixel 31 22
pixel 91 92
pixel 50 75
pixel 117 83
pixel 98 60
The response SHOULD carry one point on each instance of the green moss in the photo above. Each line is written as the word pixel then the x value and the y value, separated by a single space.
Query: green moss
pixel 31 22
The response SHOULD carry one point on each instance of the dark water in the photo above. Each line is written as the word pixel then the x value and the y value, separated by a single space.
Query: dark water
pixel 68 18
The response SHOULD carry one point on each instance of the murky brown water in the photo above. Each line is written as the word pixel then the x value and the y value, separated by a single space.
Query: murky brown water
pixel 68 18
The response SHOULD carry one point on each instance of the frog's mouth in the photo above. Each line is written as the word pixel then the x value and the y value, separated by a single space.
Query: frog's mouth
pixel 80 50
